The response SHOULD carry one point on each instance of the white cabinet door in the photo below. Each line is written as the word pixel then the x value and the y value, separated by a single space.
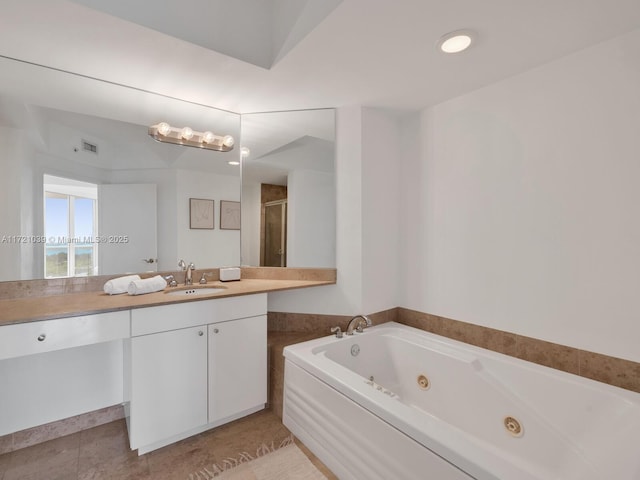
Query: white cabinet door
pixel 237 366
pixel 168 384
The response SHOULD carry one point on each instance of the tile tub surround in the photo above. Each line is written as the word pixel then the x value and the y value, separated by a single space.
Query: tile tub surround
pixel 289 328
pixel 596 366
pixel 320 324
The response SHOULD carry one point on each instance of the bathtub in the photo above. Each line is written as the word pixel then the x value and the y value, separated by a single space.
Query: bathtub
pixel 397 403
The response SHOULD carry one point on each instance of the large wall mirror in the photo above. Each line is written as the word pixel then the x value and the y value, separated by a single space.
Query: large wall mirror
pixel 288 189
pixel 78 164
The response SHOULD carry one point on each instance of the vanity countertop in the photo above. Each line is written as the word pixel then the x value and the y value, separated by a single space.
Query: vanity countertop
pixel 22 310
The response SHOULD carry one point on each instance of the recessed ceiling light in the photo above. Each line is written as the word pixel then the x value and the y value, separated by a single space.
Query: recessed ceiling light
pixel 456 42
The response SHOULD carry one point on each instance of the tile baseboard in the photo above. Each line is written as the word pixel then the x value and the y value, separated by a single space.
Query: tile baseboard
pixel 49 431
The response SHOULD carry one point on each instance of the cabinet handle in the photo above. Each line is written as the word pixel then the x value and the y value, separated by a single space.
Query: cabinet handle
pixel 41 337
pixel 215 330
pixel 200 333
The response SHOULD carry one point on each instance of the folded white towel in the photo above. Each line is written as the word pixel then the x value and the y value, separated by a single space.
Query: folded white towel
pixel 119 285
pixel 148 285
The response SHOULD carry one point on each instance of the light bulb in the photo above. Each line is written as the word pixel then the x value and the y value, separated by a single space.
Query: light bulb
pixel 187 133
pixel 456 42
pixel 208 137
pixel 228 141
pixel 244 152
pixel 164 129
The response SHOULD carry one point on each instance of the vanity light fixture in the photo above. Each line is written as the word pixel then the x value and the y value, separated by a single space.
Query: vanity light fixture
pixel 457 41
pixel 163 132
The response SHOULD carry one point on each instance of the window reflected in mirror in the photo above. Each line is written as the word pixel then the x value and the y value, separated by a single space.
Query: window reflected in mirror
pixel 70 227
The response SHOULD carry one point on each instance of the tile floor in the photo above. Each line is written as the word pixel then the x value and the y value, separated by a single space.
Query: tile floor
pixel 103 453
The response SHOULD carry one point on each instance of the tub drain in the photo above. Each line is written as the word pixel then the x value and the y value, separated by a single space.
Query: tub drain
pixel 513 426
pixel 423 382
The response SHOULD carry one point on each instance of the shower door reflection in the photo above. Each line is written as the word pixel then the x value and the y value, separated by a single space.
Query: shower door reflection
pixel 274 234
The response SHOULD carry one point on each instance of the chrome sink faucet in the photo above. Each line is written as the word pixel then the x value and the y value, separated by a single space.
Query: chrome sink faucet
pixel 359 322
pixel 188 279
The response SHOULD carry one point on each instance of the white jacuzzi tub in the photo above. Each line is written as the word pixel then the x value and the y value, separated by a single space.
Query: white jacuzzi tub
pixel 396 403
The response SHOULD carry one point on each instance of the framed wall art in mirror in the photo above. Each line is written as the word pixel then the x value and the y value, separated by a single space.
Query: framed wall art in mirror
pixel 201 214
pixel 229 215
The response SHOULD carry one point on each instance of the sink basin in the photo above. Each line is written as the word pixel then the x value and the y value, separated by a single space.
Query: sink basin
pixel 195 291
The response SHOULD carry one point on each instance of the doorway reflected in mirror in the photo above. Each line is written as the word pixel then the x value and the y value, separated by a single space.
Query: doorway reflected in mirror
pixel 273 226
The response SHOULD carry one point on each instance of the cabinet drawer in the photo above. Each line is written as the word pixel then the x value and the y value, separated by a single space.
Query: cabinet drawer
pixel 49 335
pixel 145 321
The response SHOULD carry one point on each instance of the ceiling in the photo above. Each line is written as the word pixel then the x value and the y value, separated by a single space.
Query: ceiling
pixel 260 32
pixel 378 53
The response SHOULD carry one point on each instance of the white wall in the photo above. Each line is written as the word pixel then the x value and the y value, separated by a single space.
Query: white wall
pixel 520 203
pixel 206 248
pixel 311 219
pixel 250 223
pixel 13 145
pixel 380 210
pixel 30 262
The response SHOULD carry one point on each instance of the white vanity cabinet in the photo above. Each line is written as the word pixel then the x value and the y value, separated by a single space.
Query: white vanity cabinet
pixel 168 384
pixel 237 366
pixel 194 366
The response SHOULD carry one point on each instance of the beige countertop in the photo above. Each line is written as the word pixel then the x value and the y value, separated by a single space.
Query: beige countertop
pixel 31 309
